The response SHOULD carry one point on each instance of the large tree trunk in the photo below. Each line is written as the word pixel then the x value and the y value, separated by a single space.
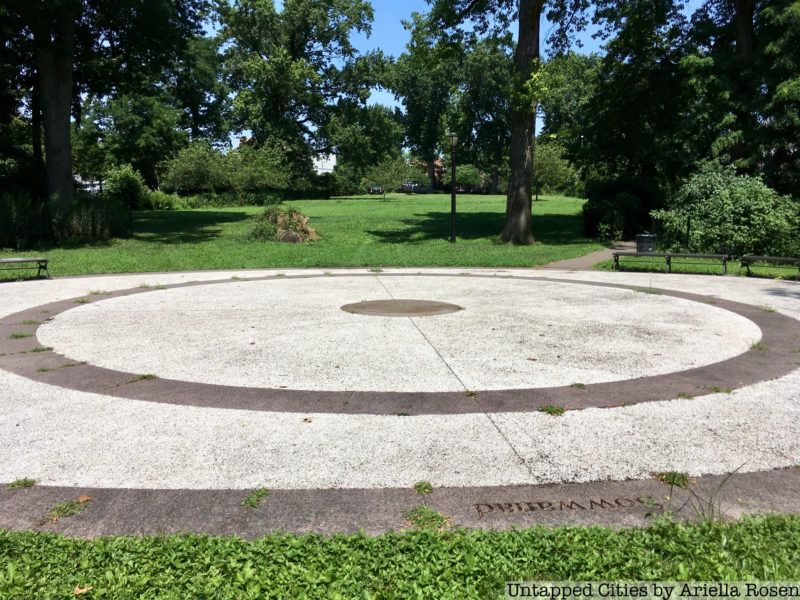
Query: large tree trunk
pixel 432 172
pixel 745 30
pixel 54 57
pixel 517 228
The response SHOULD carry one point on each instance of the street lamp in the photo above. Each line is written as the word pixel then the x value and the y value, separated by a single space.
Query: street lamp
pixel 453 141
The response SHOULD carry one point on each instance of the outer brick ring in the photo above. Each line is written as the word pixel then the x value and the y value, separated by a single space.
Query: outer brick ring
pixel 775 358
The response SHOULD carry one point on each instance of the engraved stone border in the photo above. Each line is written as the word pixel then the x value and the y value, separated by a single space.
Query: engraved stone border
pixel 220 512
pixel 774 358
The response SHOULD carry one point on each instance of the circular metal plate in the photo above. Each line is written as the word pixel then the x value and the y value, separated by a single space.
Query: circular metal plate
pixel 401 308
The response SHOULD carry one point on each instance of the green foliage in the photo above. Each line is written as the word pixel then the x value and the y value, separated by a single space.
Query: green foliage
pixel 291 66
pixel 245 175
pixel 480 109
pixel 423 488
pixel 425 517
pixel 553 173
pixel 424 78
pixel 454 564
pixel 254 498
pixel 259 169
pixel 553 411
pixel 675 478
pixel 620 206
pixel 125 185
pixel 718 211
pixel 20 484
pixel 198 168
pixel 158 200
pixel 143 131
pixel 468 176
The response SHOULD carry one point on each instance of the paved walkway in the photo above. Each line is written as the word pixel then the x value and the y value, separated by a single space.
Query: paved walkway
pixel 160 448
pixel 586 262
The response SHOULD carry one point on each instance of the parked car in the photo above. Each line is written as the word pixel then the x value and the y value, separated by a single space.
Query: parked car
pixel 375 189
pixel 410 187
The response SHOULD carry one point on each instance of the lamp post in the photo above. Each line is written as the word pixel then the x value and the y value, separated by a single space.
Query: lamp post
pixel 453 141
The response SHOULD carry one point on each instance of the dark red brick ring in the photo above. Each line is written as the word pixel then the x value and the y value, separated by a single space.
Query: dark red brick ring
pixel 775 357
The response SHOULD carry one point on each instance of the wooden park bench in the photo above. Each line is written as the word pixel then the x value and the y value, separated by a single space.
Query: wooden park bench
pixel 780 261
pixel 38 263
pixel 669 256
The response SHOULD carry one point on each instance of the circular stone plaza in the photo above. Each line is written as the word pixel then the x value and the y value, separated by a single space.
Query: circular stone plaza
pixel 521 396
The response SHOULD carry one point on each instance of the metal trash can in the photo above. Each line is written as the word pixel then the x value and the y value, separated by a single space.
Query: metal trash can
pixel 646 242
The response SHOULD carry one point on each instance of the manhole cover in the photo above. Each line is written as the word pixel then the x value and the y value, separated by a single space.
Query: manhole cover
pixel 401 308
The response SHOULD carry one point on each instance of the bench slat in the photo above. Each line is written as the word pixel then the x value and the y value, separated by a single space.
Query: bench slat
pixel 21 260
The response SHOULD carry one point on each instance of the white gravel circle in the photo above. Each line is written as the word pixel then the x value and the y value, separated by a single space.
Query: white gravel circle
pixel 291 333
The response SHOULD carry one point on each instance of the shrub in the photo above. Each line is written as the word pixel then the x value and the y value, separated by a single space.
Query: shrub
pixel 158 200
pixel 552 173
pixel 718 211
pixel 620 206
pixel 468 176
pixel 125 185
pixel 258 169
pixel 197 169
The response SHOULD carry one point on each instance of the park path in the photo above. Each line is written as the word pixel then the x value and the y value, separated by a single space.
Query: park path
pixel 586 262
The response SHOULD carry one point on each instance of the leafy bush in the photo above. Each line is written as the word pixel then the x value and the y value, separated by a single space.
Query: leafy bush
pixel 620 206
pixel 125 185
pixel 718 211
pixel 258 169
pixel 466 175
pixel 196 169
pixel 158 200
pixel 552 173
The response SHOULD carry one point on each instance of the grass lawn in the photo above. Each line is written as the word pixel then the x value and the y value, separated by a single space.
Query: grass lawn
pixel 401 231
pixel 421 564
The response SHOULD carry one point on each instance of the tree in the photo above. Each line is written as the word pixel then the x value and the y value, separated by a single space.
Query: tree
pixel 641 106
pixel 94 46
pixel 290 68
pixel 389 174
pixel 568 85
pixel 423 79
pixel 196 82
pixel 363 136
pixel 480 111
pixel 529 14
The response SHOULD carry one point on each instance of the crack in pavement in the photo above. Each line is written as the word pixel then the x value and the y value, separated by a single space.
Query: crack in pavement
pixel 472 397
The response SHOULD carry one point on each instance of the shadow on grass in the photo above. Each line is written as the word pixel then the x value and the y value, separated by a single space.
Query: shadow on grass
pixel 182 226
pixel 547 229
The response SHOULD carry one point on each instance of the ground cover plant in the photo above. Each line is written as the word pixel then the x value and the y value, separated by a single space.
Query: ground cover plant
pixel 414 564
pixel 403 230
